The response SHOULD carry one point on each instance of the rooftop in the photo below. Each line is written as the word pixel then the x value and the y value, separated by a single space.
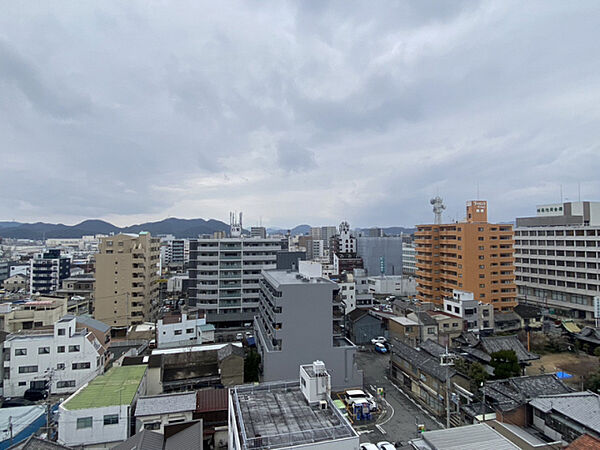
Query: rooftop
pixel 118 386
pixel 286 277
pixel 581 407
pixel 404 321
pixel 494 344
pixel 512 392
pixel 277 415
pixel 470 437
pixel 422 360
pixel 193 348
pixel 166 404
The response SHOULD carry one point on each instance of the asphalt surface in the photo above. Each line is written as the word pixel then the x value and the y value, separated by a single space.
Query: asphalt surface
pixel 400 415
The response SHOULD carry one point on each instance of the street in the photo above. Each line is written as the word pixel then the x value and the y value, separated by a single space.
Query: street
pixel 401 416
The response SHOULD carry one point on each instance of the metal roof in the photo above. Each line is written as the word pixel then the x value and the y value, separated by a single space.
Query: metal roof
pixel 470 437
pixel 208 400
pixel 581 407
pixel 146 440
pixel 166 404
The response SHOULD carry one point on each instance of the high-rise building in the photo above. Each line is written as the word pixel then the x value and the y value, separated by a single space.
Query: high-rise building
pixel 224 275
pixel 327 233
pixel 300 320
pixel 474 256
pixel 259 232
pixel 409 259
pixel 558 258
pixel 126 289
pixel 380 255
pixel 47 270
pixel 343 251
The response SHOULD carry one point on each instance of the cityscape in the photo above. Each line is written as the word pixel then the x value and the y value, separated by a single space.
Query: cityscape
pixel 299 225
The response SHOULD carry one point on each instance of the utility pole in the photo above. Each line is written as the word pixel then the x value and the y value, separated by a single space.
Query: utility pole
pixel 10 429
pixel 447 360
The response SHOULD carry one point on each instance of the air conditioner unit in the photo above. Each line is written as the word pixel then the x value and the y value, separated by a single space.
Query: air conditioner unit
pixel 323 404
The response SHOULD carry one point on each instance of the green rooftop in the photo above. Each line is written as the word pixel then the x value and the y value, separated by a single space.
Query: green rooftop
pixel 116 387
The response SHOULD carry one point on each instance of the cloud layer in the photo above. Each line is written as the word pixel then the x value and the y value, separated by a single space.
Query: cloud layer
pixel 296 111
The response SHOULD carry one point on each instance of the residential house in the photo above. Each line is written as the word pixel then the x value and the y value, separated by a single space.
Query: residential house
pixel 404 329
pixel 101 412
pixel 428 326
pixel 157 411
pixel 181 436
pixel 362 326
pixel 531 316
pixel 506 322
pixel 16 283
pixel 179 330
pixel 449 326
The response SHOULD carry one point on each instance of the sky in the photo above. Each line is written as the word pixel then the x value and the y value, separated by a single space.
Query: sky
pixel 296 112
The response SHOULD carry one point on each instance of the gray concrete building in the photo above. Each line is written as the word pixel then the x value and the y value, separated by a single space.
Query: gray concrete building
pixel 224 276
pixel 557 258
pixel 300 321
pixel 373 249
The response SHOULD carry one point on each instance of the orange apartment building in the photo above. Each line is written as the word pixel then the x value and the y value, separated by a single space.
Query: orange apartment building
pixel 474 256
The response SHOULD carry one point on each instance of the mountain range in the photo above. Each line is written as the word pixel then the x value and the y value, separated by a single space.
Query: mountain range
pixel 181 228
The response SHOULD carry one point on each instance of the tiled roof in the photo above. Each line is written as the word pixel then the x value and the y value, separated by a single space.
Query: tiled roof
pixel 229 350
pixel 146 440
pixel 581 407
pixel 422 360
pixel 188 438
pixel 357 314
pixel 512 392
pixel 585 442
pixel 433 348
pixel 494 344
pixel 527 311
pixel 166 404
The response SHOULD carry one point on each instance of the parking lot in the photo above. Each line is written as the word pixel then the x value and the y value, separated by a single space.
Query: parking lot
pixel 400 416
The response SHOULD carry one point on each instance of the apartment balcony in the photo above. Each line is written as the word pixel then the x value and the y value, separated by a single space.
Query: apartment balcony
pixel 212 277
pixel 230 266
pixel 231 276
pixel 270 257
pixel 231 257
pixel 230 284
pixel 206 296
pixel 230 304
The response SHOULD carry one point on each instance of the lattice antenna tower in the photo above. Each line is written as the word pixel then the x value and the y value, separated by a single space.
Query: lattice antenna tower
pixel 438 208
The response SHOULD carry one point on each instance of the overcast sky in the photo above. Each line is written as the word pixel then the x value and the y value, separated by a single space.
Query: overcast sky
pixel 296 112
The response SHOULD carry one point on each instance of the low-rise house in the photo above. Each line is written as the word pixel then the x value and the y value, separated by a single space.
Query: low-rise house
pixel 449 326
pixel 506 322
pixel 531 316
pixel 183 436
pixel 179 330
pixel 80 285
pixel 157 411
pixel 101 412
pixel 567 416
pixel 589 336
pixel 420 375
pixel 404 329
pixel 428 326
pixel 493 344
pixel 60 359
pixel 478 316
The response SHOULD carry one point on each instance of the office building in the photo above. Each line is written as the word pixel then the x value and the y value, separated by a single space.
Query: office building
pixel 47 271
pixel 380 255
pixel 473 255
pixel 558 258
pixel 289 415
pixel 299 321
pixel 126 289
pixel 409 259
pixel 224 276
pixel 60 359
pixel 258 232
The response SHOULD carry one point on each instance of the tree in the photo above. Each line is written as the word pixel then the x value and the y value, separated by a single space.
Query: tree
pixel 597 352
pixel 478 375
pixel 505 364
pixel 251 366
pixel 593 382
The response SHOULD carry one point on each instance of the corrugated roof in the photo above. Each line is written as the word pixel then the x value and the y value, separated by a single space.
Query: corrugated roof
pixel 118 386
pixel 581 407
pixel 165 404
pixel 470 437
pixel 144 440
pixel 208 400
pixel 571 327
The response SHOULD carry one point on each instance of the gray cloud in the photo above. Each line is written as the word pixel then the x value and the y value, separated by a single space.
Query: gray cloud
pixel 295 111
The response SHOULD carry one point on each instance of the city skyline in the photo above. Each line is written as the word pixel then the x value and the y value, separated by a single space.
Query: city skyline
pixel 296 113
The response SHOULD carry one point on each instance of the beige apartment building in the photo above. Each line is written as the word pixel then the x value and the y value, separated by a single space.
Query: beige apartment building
pixel 126 289
pixel 41 312
pixel 474 256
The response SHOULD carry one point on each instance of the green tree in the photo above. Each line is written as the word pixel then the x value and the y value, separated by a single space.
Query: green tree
pixel 478 375
pixel 593 382
pixel 251 367
pixel 597 352
pixel 505 364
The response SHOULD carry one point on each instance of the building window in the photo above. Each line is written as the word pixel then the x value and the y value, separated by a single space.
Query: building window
pixel 65 384
pixel 111 419
pixel 81 365
pixel 189 330
pixel 84 422
pixel 60 366
pixel 61 331
pixel 43 350
pixel 73 348
pixel 28 369
pixel 60 349
pixel 20 352
pixel 178 332
pixel 152 426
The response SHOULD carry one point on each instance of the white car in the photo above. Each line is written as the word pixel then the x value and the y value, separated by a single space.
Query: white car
pixel 360 396
pixel 385 445
pixel 368 446
pixel 239 337
pixel 378 340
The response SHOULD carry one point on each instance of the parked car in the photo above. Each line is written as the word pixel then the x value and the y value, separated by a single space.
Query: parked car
pixel 378 340
pixel 368 446
pixel 380 348
pixel 385 445
pixel 358 395
pixel 239 337
pixel 35 394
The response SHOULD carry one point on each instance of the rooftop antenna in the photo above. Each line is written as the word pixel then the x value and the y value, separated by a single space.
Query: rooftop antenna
pixel 438 207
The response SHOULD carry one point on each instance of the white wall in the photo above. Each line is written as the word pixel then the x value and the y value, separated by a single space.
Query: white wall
pixel 68 434
pixel 167 337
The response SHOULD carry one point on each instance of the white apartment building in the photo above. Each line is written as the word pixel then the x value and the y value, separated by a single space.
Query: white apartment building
pixel 61 359
pixel 478 316
pixel 346 242
pixel 178 330
pixel 225 276
pixel 409 259
pixel 557 258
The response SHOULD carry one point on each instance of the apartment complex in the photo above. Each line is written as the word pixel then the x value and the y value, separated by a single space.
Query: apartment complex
pixel 224 276
pixel 474 256
pixel 409 259
pixel 126 289
pixel 47 271
pixel 558 258
pixel 300 320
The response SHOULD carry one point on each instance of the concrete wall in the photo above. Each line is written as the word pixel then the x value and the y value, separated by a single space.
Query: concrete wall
pixel 69 434
pixel 371 249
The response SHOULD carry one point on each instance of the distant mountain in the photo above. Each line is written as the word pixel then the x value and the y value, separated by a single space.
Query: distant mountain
pixel 305 229
pixel 298 230
pixel 178 227
pixel 9 224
